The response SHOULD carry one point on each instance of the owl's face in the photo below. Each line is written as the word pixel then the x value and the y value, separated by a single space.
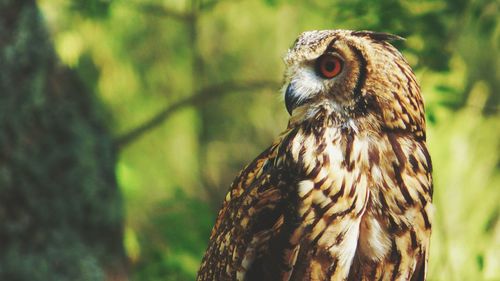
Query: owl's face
pixel 356 74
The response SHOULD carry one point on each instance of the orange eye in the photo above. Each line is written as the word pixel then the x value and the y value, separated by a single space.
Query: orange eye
pixel 328 66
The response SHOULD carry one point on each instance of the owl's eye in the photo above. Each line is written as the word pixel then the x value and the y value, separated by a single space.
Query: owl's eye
pixel 328 66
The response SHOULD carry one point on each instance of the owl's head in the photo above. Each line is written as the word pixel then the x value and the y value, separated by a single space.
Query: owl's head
pixel 358 75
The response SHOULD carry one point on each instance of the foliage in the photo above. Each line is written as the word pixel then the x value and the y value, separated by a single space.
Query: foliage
pixel 191 87
pixel 174 253
pixel 466 236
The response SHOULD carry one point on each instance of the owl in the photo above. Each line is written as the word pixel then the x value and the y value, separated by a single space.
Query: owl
pixel 345 192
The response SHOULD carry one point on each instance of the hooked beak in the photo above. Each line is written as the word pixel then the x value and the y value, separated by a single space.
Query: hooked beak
pixel 291 100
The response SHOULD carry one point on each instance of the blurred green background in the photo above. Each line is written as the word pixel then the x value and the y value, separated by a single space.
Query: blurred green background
pixel 123 123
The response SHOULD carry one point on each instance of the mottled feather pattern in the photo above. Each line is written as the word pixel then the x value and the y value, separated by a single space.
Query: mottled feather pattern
pixel 345 193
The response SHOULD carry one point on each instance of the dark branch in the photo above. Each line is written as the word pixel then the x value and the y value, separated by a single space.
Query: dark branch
pixel 198 98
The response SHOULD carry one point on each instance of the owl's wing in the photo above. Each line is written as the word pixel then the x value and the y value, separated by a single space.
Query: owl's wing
pixel 247 218
pixel 287 217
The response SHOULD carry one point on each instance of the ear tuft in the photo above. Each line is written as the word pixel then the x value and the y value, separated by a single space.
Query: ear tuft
pixel 377 36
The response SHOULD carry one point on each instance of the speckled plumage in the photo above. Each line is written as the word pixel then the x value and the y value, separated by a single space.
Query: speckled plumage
pixel 345 192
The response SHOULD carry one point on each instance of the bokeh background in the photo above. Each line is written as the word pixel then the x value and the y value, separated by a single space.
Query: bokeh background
pixel 123 123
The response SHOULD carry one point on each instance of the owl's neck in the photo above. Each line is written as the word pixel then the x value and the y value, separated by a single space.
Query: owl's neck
pixel 324 113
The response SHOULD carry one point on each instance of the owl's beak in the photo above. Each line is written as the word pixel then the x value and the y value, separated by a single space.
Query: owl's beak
pixel 291 99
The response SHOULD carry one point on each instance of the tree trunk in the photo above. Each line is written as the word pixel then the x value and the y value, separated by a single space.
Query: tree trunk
pixel 60 208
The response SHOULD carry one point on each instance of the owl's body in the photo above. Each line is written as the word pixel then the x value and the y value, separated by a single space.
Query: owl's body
pixel 345 192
